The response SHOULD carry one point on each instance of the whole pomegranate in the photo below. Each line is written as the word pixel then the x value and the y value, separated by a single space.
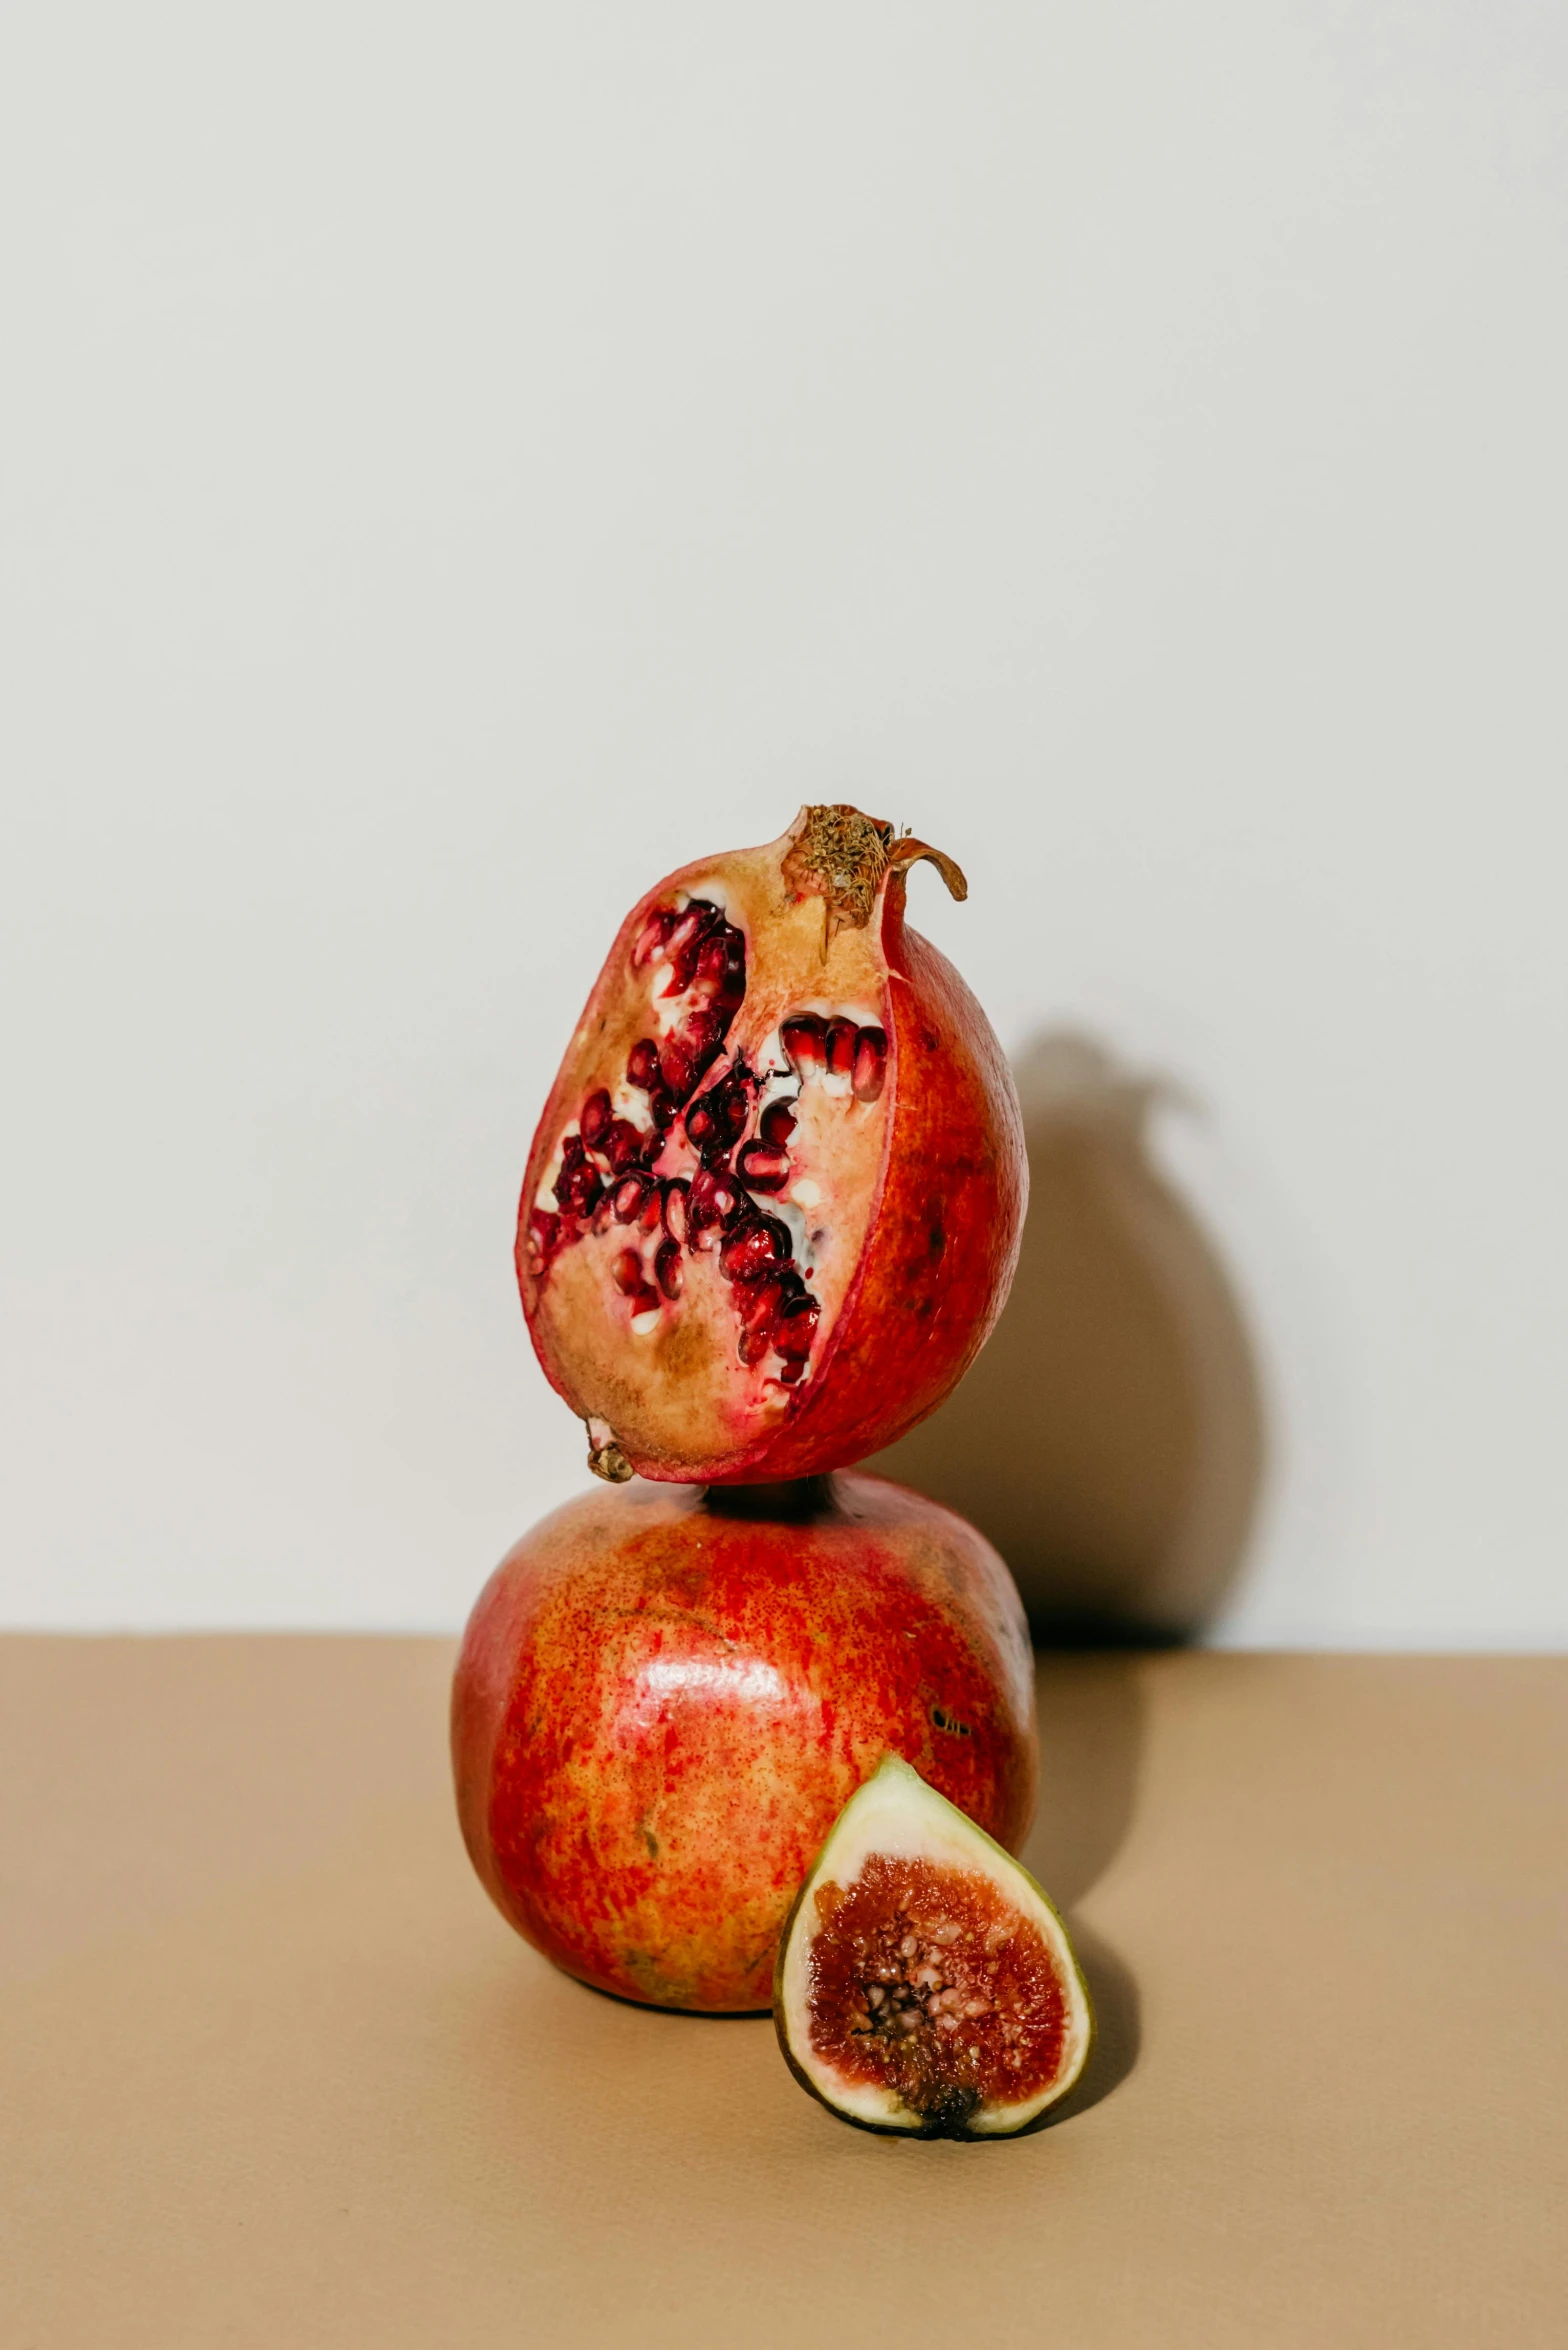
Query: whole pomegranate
pixel 664 1700
pixel 773 1205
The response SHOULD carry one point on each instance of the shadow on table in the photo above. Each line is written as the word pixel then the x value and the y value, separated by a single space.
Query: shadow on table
pixel 1109 1439
pixel 1090 1711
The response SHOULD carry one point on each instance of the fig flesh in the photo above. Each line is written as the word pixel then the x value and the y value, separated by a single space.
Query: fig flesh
pixel 925 1983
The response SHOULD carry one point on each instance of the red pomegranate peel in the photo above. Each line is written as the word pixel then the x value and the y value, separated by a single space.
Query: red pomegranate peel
pixel 663 1701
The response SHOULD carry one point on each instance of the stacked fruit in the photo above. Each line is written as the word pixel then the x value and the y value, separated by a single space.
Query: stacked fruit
pixel 770 1215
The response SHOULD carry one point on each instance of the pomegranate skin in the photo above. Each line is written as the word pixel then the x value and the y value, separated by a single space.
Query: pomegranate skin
pixel 945 1229
pixel 929 1220
pixel 661 1706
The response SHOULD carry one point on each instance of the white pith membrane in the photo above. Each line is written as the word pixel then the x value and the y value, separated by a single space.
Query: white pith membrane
pixel 692 1340
pixel 936 1997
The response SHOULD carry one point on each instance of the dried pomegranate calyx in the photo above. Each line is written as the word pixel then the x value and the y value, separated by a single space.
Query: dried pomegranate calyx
pixel 605 1456
pixel 843 857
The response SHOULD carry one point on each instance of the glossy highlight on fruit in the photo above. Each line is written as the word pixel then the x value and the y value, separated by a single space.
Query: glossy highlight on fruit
pixel 664 1700
pixel 774 1201
pixel 925 1983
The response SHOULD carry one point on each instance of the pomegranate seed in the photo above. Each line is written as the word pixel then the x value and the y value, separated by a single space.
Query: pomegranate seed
pixel 708 976
pixel 730 993
pixel 626 1272
pixel 673 1208
pixel 678 1067
pixel 762 1167
pixel 577 1187
pixel 654 935
pixel 596 1118
pixel 759 1305
pixel 804 1039
pixel 841 1039
pixel 668 1269
pixel 719 1117
pixel 777 1123
pixel 642 1070
pixel 544 1232
pixel 680 971
pixel 604 1211
pixel 713 976
pixel 755 1249
pixel 793 1369
pixel 704 1034
pixel 630 1194
pixel 797 1327
pixel 652 1209
pixel 662 1106
pixel 870 1064
pixel 681 949
pixel 686 1053
pixel 622 1144
pixel 700 1123
pixel 714 1204
pixel 692 924
pixel 751 1346
pixel 645 1300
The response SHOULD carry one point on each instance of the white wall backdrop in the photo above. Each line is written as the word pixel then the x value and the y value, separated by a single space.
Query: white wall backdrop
pixel 461 461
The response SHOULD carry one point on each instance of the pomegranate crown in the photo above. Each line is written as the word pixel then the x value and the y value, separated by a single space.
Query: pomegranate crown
pixel 843 857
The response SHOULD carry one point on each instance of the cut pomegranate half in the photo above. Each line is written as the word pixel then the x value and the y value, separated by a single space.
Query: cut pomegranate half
pixel 773 1205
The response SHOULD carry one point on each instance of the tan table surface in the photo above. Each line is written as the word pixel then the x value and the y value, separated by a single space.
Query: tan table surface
pixel 272 2072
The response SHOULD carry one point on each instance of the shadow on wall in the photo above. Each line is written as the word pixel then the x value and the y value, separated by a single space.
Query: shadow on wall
pixel 1109 1439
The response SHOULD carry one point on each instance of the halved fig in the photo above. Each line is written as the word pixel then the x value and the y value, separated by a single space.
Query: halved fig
pixel 776 1092
pixel 925 1983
